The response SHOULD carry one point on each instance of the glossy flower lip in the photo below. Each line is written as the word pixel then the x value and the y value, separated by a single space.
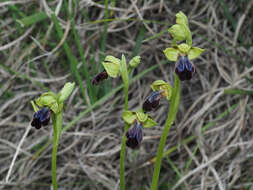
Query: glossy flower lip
pixel 134 135
pixel 184 68
pixel 100 77
pixel 152 101
pixel 41 118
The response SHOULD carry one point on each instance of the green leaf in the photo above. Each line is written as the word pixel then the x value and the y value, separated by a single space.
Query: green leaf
pixel 112 66
pixel 149 123
pixel 66 91
pixel 33 19
pixel 184 48
pixel 48 99
pixel 195 52
pixel 178 32
pixel 123 71
pixel 135 61
pixel 129 117
pixel 141 116
pixel 181 18
pixel 171 54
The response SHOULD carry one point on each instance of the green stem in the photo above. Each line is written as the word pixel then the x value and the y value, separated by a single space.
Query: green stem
pixel 123 143
pixel 171 117
pixel 57 122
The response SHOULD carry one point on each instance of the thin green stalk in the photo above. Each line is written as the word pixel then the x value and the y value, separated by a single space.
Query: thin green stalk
pixel 70 56
pixel 123 144
pixel 125 78
pixel 171 117
pixel 57 122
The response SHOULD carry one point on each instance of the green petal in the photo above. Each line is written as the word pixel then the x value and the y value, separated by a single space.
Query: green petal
pixel 129 117
pixel 149 123
pixel 194 52
pixel 163 86
pixel 178 32
pixel 167 88
pixel 35 108
pixel 181 18
pixel 184 48
pixel 135 61
pixel 156 85
pixel 141 116
pixel 66 91
pixel 171 54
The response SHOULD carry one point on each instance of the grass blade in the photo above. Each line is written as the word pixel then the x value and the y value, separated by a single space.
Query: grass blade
pixel 71 57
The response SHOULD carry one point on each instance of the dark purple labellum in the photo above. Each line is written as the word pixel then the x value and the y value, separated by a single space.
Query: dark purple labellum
pixel 134 136
pixel 152 101
pixel 41 118
pixel 99 77
pixel 184 68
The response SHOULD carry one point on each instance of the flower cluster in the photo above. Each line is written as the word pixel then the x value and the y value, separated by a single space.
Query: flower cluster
pixel 139 120
pixel 183 53
pixel 49 103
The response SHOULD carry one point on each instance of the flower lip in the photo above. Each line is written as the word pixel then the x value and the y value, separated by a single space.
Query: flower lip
pixel 41 118
pixel 184 68
pixel 134 135
pixel 152 101
pixel 100 77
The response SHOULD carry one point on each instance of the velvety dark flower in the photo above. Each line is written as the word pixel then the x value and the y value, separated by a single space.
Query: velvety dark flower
pixel 41 118
pixel 152 101
pixel 134 136
pixel 184 68
pixel 100 77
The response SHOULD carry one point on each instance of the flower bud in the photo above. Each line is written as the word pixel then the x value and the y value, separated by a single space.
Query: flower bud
pixel 135 61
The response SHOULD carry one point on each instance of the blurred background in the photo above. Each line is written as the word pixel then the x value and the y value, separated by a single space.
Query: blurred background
pixel 44 44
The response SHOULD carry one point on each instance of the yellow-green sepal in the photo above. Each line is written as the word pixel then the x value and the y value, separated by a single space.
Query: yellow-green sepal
pixel 112 65
pixel 171 53
pixel 181 18
pixel 149 123
pixel 178 31
pixel 49 100
pixel 181 31
pixel 141 116
pixel 66 91
pixel 135 61
pixel 194 52
pixel 160 85
pixel 129 117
